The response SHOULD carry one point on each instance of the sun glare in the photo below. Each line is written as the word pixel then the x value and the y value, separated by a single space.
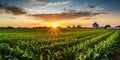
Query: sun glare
pixel 54 29
pixel 55 25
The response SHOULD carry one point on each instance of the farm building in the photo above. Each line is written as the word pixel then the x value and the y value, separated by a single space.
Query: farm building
pixel 95 25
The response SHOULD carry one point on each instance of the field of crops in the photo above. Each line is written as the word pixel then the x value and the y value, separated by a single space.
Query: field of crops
pixel 68 44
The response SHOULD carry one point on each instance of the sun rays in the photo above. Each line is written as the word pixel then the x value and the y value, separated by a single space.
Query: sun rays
pixel 54 29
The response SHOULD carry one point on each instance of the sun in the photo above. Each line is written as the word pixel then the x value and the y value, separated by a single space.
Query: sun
pixel 55 25
pixel 54 29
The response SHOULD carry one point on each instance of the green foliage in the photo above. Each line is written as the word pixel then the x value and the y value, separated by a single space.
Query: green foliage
pixel 70 44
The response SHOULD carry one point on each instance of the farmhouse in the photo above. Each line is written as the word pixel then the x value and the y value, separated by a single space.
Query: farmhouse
pixel 95 25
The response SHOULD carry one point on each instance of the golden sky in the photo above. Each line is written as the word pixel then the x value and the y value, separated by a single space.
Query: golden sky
pixel 31 13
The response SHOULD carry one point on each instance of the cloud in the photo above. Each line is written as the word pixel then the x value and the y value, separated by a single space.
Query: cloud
pixel 54 4
pixel 11 10
pixel 45 4
pixel 88 18
pixel 93 7
pixel 38 2
pixel 69 15
pixel 12 17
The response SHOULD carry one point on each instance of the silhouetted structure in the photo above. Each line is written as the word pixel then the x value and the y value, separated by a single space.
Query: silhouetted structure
pixel 59 27
pixel 117 27
pixel 95 25
pixel 107 26
pixel 78 26
pixel 9 27
pixel 68 26
pixel 74 26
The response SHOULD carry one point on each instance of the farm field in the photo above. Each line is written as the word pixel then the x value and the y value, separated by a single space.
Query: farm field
pixel 68 44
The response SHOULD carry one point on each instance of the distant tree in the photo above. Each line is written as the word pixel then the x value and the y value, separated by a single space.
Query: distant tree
pixel 74 26
pixel 2 27
pixel 44 27
pixel 117 26
pixel 37 27
pixel 9 27
pixel 59 27
pixel 106 26
pixel 78 26
pixel 68 26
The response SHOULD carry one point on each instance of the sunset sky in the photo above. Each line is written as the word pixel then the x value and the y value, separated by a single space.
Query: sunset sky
pixel 31 13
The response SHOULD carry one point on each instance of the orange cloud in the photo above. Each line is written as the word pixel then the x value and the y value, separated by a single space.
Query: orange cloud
pixel 64 16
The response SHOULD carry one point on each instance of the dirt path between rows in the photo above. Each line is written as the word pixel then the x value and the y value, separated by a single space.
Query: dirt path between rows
pixel 116 53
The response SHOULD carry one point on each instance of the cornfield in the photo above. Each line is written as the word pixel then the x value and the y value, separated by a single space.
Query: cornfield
pixel 69 44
